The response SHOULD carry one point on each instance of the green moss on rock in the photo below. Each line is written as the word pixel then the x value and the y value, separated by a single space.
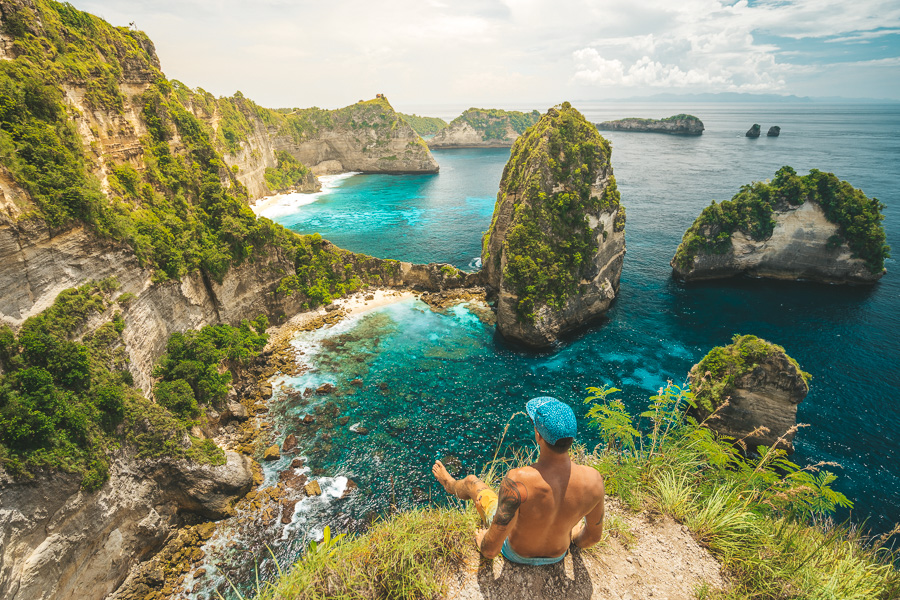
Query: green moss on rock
pixel 714 377
pixel 549 242
pixel 752 211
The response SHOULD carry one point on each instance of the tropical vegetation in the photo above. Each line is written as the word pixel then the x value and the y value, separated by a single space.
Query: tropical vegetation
pixel 752 211
pixel 549 244
pixel 424 125
pixel 765 518
pixel 493 122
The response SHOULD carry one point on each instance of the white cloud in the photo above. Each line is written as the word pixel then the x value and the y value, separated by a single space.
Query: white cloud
pixel 289 53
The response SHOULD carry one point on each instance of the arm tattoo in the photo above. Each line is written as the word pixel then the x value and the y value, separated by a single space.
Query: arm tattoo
pixel 509 502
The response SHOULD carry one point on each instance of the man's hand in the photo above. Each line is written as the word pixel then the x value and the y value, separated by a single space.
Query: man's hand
pixel 576 531
pixel 479 537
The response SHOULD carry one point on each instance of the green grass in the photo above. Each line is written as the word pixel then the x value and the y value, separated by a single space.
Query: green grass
pixel 404 557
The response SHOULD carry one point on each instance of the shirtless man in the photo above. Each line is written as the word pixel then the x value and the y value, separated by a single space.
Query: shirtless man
pixel 539 510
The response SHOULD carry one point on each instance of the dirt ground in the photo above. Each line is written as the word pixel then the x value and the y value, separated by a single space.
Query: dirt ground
pixel 661 562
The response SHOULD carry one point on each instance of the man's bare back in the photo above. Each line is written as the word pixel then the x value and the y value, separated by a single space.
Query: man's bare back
pixel 539 508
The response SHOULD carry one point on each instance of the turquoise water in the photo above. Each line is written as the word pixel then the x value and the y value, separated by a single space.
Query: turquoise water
pixel 437 384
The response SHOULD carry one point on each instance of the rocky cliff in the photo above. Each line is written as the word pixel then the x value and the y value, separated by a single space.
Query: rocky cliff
pixel 555 247
pixel 484 128
pixel 61 542
pixel 368 136
pixel 109 170
pixel 753 387
pixel 676 124
pixel 814 227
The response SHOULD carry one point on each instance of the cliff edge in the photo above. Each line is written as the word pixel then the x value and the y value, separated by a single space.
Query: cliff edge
pixel 812 227
pixel 484 128
pixel 555 247
pixel 677 124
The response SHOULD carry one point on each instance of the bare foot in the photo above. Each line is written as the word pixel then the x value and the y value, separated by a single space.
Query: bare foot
pixel 443 476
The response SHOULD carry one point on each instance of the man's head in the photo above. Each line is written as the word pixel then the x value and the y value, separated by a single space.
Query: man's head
pixel 554 421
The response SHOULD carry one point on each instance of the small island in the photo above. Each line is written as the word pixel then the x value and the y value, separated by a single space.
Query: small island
pixel 813 227
pixel 484 128
pixel 676 124
pixel 755 387
pixel 554 251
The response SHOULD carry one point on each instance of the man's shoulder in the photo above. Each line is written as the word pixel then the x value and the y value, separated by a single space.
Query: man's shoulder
pixel 589 476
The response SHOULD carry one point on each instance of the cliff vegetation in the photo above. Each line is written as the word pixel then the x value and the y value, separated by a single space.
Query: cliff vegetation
pixel 67 399
pixel 550 241
pixel 424 125
pixel 751 211
pixel 761 517
pixel 723 365
pixel 492 122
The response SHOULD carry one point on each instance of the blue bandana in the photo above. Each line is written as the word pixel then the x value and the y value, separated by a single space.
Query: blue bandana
pixel 553 419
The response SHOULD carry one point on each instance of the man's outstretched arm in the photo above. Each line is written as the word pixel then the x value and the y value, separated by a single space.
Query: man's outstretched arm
pixel 510 498
pixel 592 531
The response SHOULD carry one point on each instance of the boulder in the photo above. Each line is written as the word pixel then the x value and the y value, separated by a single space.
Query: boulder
pixel 271 453
pixel 760 406
pixel 774 131
pixel 325 388
pixel 557 211
pixel 290 443
pixel 312 488
pixel 753 132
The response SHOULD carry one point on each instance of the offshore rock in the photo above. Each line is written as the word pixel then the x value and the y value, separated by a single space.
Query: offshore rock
pixel 554 251
pixel 774 131
pixel 785 235
pixel 484 128
pixel 753 132
pixel 762 402
pixel 676 124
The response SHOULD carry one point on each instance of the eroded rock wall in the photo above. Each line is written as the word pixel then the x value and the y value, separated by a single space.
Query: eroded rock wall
pixel 762 406
pixel 797 249
pixel 531 195
pixel 59 542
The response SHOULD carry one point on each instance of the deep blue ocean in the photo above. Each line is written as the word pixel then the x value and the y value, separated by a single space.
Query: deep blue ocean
pixel 438 385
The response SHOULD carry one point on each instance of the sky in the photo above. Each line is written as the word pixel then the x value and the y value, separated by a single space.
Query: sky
pixel 299 53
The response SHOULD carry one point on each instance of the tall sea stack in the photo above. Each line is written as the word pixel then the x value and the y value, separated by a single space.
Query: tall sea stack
pixel 555 247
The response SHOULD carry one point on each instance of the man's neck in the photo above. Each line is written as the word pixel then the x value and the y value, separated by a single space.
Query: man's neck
pixel 550 459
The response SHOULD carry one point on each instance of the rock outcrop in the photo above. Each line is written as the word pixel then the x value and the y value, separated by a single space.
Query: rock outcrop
pixel 774 131
pixel 484 128
pixel 676 124
pixel 57 541
pixel 760 387
pixel 368 136
pixel 753 132
pixel 554 251
pixel 778 231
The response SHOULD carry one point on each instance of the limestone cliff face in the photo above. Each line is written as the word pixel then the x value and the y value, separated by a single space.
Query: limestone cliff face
pixel 800 247
pixel 678 124
pixel 556 243
pixel 368 136
pixel 484 128
pixel 57 541
pixel 762 403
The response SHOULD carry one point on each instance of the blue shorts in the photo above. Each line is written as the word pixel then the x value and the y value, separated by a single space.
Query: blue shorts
pixel 512 556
